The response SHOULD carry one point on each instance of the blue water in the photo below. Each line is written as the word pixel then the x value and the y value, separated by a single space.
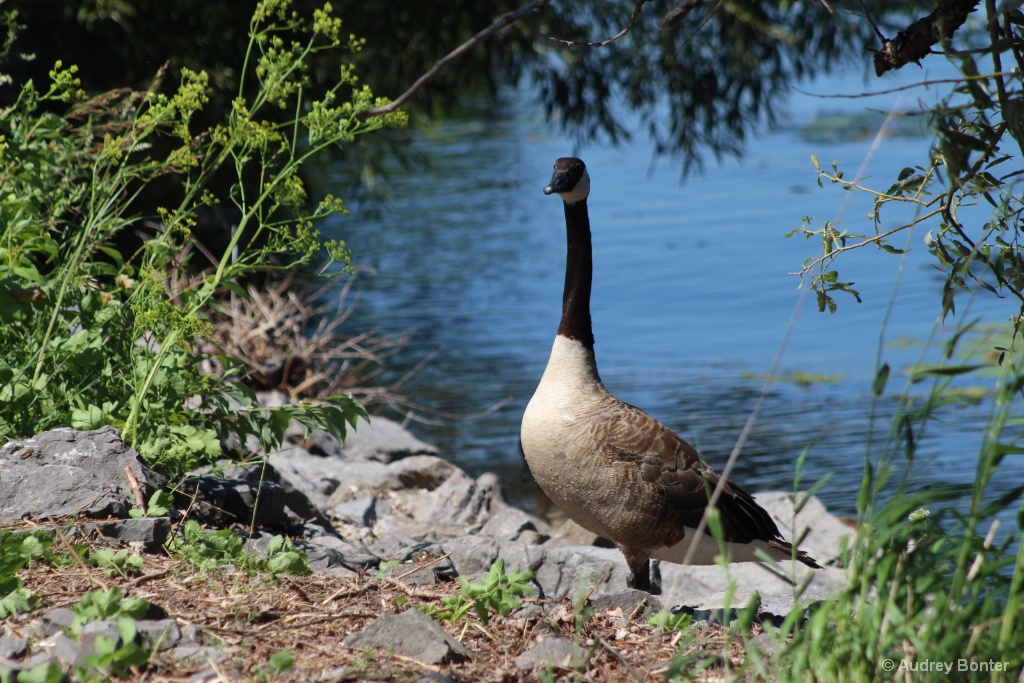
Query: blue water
pixel 692 295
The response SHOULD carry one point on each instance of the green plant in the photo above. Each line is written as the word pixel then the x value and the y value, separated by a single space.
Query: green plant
pixel 93 336
pixel 208 550
pixel 967 194
pixel 104 605
pixel 18 550
pixel 282 661
pixel 108 660
pixel 282 558
pixel 671 621
pixel 933 575
pixel 43 673
pixel 159 503
pixel 495 590
pixel 116 563
pixel 383 567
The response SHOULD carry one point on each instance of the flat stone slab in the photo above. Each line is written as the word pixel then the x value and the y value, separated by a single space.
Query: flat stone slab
pixel 67 472
pixel 411 634
pixel 556 652
pixel 379 439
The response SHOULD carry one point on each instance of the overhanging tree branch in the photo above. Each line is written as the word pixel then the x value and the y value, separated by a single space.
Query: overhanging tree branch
pixel 914 42
pixel 506 20
pixel 609 41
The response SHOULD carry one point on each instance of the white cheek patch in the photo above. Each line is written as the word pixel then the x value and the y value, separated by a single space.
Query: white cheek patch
pixel 580 192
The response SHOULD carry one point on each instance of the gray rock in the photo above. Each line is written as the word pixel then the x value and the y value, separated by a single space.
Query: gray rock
pixel 402 548
pixel 57 619
pixel 423 572
pixel 633 603
pixel 13 648
pixel 379 439
pixel 38 659
pixel 824 531
pixel 411 634
pixel 556 652
pixel 411 575
pixel 193 635
pixel 72 652
pixel 417 472
pixel 310 476
pixel 461 505
pixel 332 551
pixel 158 634
pixel 222 502
pixel 361 511
pixel 67 472
pixel 197 654
pixel 151 532
pixel 763 644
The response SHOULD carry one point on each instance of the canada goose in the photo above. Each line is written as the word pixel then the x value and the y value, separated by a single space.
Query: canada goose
pixel 611 467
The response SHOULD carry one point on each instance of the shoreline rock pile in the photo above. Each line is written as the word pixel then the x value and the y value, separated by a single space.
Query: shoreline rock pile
pixel 383 495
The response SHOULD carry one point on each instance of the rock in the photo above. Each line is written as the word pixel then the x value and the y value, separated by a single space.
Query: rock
pixel 313 475
pixel 763 644
pixel 197 654
pixel 824 530
pixel 67 472
pixel 39 659
pixel 150 532
pixel 569 532
pixel 361 511
pixel 13 648
pixel 556 652
pixel 379 439
pixel 411 634
pixel 461 505
pixel 423 572
pixel 633 603
pixel 72 652
pixel 56 620
pixel 417 472
pixel 158 634
pixel 401 548
pixel 222 502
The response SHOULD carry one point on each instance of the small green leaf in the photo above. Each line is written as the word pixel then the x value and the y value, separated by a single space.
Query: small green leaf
pixel 881 377
pixel 282 661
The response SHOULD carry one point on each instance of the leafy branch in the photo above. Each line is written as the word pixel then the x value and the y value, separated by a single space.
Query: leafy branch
pixel 973 125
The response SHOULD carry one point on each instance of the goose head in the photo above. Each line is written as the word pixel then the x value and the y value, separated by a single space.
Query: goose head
pixel 570 180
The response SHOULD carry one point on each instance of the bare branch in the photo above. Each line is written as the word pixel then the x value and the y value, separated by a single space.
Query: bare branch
pixel 506 20
pixel 609 41
pixel 677 14
pixel 914 42
pixel 910 86
pixel 867 16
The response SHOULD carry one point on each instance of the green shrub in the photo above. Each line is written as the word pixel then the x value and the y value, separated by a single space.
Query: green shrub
pixel 92 336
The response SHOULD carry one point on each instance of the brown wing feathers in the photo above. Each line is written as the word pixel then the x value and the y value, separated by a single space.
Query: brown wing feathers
pixel 665 459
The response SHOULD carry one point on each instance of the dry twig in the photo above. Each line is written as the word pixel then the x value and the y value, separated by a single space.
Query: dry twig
pixel 506 20
pixel 632 22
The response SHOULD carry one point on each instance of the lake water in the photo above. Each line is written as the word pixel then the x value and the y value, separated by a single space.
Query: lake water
pixel 691 301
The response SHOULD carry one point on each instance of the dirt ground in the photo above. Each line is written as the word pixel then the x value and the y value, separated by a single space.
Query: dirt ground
pixel 254 616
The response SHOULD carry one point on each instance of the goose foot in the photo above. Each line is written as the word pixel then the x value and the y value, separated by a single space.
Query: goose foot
pixel 641 577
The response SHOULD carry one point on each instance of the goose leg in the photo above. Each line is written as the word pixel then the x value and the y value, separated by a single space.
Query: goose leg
pixel 639 565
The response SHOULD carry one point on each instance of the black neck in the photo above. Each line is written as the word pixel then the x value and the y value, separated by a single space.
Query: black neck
pixel 579 269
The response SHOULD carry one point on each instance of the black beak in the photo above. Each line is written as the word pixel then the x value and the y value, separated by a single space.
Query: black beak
pixel 560 182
